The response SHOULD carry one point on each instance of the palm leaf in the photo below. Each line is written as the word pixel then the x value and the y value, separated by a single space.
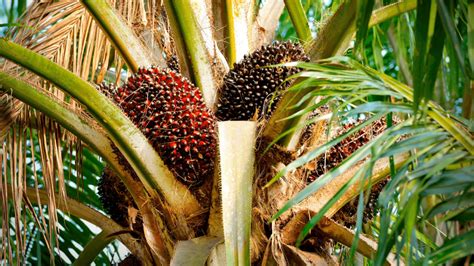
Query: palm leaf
pixel 436 146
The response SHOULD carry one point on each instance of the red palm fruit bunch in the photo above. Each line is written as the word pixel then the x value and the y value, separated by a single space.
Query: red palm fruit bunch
pixel 171 112
pixel 251 85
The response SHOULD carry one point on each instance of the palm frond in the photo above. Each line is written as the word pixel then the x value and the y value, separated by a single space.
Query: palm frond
pixel 364 13
pixel 72 233
pixel 58 26
pixel 198 36
pixel 437 146
pixel 298 17
pixel 363 131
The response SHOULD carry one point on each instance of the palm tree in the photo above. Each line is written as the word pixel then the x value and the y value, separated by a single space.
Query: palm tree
pixel 365 157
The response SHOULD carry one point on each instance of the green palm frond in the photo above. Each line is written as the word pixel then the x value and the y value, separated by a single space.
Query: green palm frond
pixel 440 154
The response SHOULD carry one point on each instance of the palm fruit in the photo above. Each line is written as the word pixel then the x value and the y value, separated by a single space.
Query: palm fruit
pixel 173 63
pixel 248 88
pixel 130 260
pixel 107 89
pixel 170 111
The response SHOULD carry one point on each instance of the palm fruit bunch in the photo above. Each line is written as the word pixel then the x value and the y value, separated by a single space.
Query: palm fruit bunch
pixel 251 85
pixel 130 260
pixel 345 148
pixel 347 215
pixel 339 153
pixel 171 113
pixel 116 199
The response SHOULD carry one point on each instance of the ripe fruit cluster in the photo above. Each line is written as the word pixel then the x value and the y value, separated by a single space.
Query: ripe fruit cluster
pixel 250 86
pixel 337 154
pixel 171 113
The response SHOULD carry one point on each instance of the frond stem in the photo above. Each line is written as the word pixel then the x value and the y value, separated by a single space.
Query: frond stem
pixel 299 19
pixel 230 33
pixel 196 49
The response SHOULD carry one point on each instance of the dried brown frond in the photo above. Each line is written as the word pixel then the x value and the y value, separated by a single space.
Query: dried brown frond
pixel 13 182
pixel 9 110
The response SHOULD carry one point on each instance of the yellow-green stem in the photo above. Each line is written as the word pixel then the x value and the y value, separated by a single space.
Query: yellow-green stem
pixel 230 33
pixel 299 19
pixel 196 50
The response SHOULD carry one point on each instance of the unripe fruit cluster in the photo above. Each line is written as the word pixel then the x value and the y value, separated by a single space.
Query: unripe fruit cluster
pixel 252 84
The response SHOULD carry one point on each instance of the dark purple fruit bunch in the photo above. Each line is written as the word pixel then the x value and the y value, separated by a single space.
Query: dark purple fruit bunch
pixel 116 199
pixel 336 155
pixel 130 260
pixel 347 215
pixel 339 152
pixel 250 86
pixel 171 112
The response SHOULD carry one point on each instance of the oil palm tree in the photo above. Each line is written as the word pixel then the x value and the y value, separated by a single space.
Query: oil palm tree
pixel 363 156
